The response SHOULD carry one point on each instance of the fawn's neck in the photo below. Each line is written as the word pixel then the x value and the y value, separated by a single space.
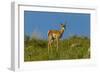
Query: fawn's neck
pixel 61 31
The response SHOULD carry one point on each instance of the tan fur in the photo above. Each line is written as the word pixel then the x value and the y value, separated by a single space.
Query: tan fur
pixel 54 35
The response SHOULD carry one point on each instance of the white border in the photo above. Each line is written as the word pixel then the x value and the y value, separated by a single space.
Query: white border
pixel 18 52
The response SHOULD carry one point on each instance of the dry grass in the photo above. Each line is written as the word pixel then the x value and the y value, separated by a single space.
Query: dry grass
pixel 72 48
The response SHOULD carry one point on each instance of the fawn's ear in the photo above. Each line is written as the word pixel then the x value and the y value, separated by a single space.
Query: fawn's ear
pixel 61 25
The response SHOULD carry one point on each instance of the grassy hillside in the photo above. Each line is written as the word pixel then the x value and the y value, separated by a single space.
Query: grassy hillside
pixel 72 48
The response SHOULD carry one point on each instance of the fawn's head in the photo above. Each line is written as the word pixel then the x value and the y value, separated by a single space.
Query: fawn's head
pixel 63 26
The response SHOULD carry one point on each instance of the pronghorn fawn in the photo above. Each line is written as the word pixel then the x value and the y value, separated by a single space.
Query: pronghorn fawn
pixel 54 36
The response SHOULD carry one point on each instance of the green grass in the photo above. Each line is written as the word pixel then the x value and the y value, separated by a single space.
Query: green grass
pixel 72 48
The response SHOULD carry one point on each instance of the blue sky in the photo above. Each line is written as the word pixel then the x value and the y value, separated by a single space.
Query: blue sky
pixel 38 23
